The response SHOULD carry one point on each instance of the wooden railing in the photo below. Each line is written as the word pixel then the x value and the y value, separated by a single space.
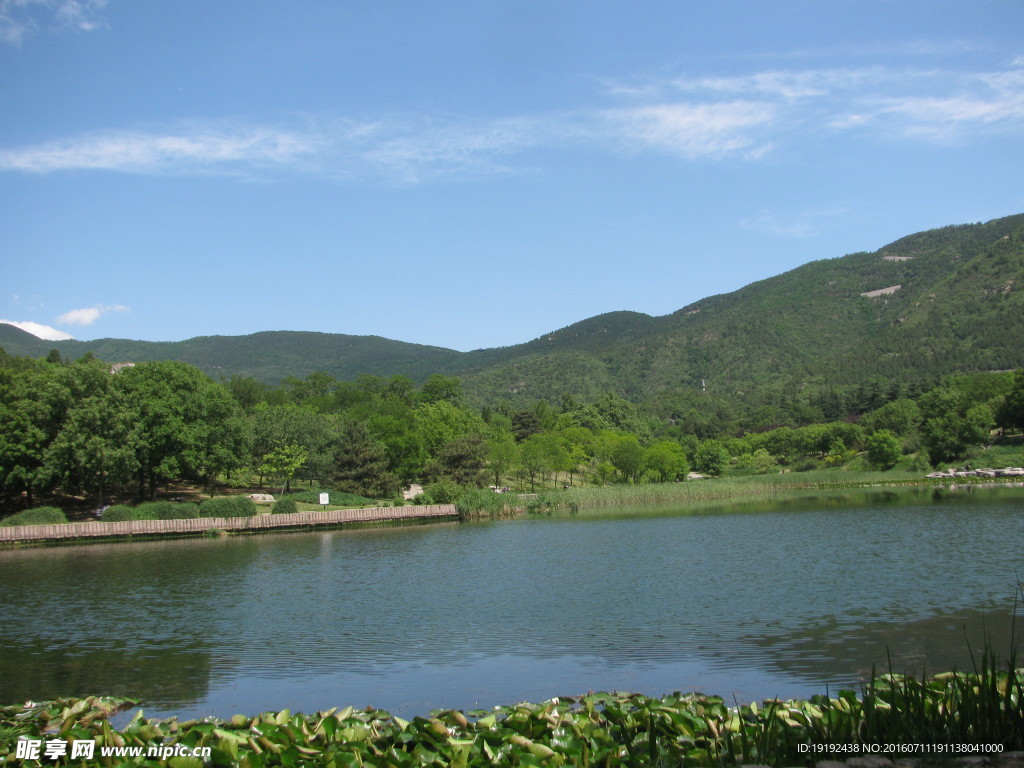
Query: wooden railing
pixel 201 525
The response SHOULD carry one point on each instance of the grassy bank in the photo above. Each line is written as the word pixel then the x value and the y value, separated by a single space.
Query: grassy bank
pixel 750 489
pixel 951 715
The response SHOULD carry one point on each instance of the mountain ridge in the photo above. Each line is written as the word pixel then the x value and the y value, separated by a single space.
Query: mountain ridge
pixel 927 304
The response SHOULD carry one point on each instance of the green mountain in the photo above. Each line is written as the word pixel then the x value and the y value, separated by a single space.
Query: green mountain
pixel 929 304
pixel 268 356
pixel 933 303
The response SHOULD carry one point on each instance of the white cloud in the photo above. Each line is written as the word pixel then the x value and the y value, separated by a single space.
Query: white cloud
pixel 89 315
pixel 20 19
pixel 133 151
pixel 83 15
pixel 934 104
pixel 39 330
pixel 692 118
pixel 694 130
pixel 789 85
pixel 807 223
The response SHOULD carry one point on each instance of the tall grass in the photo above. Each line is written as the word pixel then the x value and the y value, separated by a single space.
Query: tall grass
pixel 481 502
pixel 751 488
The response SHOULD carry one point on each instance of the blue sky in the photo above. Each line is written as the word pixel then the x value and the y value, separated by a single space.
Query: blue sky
pixel 474 174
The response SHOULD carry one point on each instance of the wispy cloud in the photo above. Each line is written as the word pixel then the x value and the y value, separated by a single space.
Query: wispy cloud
pixel 807 223
pixel 20 19
pixel 693 131
pixel 136 151
pixel 39 330
pixel 89 315
pixel 405 149
pixel 743 117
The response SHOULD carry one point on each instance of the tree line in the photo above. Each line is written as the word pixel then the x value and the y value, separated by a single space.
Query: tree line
pixel 84 428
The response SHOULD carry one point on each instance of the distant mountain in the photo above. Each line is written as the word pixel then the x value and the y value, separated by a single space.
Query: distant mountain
pixel 268 356
pixel 937 302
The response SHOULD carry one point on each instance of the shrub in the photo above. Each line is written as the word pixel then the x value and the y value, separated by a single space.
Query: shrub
pixel 36 516
pixel 118 513
pixel 284 507
pixel 166 510
pixel 337 498
pixel 228 506
pixel 444 491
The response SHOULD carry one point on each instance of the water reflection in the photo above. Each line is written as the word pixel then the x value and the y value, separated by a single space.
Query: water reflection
pixel 418 617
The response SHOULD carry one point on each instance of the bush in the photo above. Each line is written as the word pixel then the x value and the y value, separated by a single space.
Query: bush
pixel 340 498
pixel 166 510
pixel 806 464
pixel 444 491
pixel 284 507
pixel 228 506
pixel 118 513
pixel 36 516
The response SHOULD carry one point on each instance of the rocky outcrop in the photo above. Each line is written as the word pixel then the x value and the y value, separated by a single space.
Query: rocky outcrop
pixel 1006 472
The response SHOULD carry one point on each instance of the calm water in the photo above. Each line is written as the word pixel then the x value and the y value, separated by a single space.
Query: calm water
pixel 749 603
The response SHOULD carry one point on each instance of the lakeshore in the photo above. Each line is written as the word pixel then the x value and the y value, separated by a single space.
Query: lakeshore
pixel 204 526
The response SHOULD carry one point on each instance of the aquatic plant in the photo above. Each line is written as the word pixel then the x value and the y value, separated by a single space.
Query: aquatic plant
pixel 970 713
pixel 481 502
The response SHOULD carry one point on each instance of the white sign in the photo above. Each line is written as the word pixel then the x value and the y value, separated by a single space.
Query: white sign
pixel 325 499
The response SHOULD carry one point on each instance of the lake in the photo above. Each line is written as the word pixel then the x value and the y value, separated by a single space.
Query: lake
pixel 745 602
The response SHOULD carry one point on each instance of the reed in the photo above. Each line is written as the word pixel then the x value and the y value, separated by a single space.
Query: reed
pixel 742 489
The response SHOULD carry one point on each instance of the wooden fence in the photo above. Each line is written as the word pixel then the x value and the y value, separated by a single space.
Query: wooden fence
pixel 202 525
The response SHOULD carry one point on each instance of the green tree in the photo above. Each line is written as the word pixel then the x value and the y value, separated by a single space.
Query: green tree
pixel 710 457
pixel 438 388
pixel 1011 413
pixel 667 461
pixel 462 460
pixel 759 462
pixel 900 417
pixel 579 446
pixel 31 405
pixel 951 424
pixel 248 392
pixel 502 454
pixel 393 422
pixel 274 426
pixel 612 412
pixel 625 453
pixel 181 419
pixel 441 422
pixel 283 462
pixel 361 464
pixel 94 449
pixel 535 457
pixel 883 449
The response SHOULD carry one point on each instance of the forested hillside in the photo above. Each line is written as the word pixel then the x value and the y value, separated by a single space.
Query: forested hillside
pixel 958 307
pixel 810 340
